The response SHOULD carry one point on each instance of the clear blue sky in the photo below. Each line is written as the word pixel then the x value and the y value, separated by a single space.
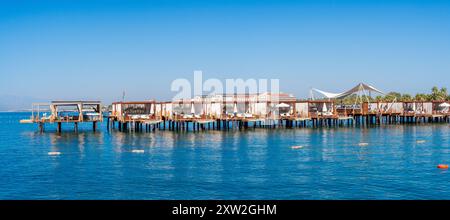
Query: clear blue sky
pixel 96 49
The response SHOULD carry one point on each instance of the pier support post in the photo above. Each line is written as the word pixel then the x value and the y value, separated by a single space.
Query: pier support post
pixel 41 127
pixel 94 126
pixel 59 127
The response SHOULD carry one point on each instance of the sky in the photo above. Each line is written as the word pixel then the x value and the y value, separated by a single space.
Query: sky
pixel 97 49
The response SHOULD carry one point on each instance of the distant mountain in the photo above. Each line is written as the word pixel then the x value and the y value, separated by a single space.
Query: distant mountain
pixel 17 103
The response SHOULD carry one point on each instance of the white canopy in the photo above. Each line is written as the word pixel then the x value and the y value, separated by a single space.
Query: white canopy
pixel 282 105
pixel 444 105
pixel 328 94
pixel 358 88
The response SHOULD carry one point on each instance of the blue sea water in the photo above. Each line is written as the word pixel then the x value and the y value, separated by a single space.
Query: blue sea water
pixel 252 164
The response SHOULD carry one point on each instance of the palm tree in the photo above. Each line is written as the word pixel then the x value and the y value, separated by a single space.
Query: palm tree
pixel 444 93
pixel 379 98
pixel 438 94
pixel 435 93
pixel 422 97
pixel 392 96
pixel 406 97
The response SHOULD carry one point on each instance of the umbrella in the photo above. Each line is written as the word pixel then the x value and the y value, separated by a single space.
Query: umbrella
pixel 282 105
pixel 192 108
pixel 324 108
pixel 444 105
pixel 235 108
pixel 152 110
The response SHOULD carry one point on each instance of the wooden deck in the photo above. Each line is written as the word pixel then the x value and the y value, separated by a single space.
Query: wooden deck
pixel 152 115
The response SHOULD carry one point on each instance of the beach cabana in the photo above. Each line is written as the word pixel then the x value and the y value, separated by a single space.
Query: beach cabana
pixel 75 111
pixel 133 110
pixel 66 112
pixel 440 107
pixel 417 108
pixel 386 108
pixel 301 109
pixel 321 109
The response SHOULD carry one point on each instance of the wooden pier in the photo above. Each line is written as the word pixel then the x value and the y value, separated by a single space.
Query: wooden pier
pixel 205 114
pixel 66 112
pixel 236 112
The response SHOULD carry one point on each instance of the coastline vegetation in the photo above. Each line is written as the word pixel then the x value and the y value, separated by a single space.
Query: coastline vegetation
pixel 436 94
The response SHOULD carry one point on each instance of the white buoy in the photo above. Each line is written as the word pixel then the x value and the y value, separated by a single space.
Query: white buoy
pixel 137 151
pixel 296 147
pixel 54 153
pixel 363 144
pixel 420 141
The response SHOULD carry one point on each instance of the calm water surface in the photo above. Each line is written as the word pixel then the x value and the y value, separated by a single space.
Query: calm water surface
pixel 254 164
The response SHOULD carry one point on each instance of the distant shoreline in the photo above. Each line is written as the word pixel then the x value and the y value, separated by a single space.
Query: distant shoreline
pixel 15 111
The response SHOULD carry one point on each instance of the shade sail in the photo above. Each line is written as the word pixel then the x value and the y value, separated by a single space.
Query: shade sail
pixel 358 88
pixel 328 94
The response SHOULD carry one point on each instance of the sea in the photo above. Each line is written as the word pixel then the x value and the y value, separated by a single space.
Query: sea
pixel 340 163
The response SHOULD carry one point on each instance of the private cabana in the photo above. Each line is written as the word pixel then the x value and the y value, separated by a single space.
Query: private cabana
pixel 134 111
pixel 188 110
pixel 321 109
pixel 440 108
pixel 385 108
pixel 301 109
pixel 285 110
pixel 239 106
pixel 166 109
pixel 417 108
pixel 66 111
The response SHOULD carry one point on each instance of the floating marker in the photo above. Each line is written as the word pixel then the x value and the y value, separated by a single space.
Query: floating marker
pixel 442 166
pixel 363 144
pixel 137 151
pixel 296 147
pixel 420 141
pixel 54 153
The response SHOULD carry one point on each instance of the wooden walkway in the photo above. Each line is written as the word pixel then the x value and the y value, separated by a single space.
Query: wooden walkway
pixel 287 122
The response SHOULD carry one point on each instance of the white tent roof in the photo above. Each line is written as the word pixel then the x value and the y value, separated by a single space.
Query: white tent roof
pixel 282 105
pixel 445 105
pixel 328 94
pixel 357 88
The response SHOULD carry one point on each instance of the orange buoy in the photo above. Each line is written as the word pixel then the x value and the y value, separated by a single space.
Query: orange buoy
pixel 443 166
